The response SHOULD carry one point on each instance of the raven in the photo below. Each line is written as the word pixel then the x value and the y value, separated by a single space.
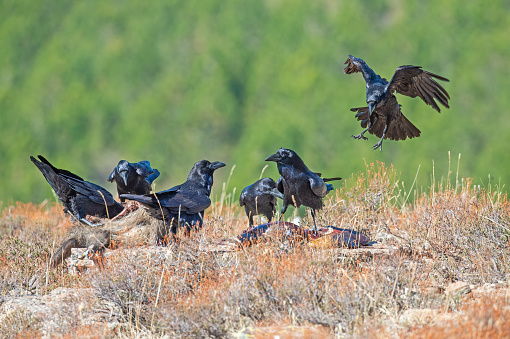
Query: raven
pixel 182 204
pixel 383 116
pixel 260 198
pixel 299 185
pixel 79 197
pixel 133 178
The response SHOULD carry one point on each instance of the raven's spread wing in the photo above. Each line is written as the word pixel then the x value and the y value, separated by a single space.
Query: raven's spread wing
pixel 94 192
pixel 412 81
pixel 399 127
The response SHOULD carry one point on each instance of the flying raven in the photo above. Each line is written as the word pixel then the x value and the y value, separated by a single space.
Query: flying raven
pixel 299 185
pixel 260 198
pixel 182 204
pixel 79 197
pixel 383 116
pixel 133 178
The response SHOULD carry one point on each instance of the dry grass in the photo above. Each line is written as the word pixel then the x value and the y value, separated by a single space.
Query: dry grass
pixel 453 232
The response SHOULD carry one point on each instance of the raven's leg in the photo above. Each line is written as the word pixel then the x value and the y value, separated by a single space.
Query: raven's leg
pixel 284 208
pixel 251 220
pixel 371 107
pixel 379 144
pixel 360 136
pixel 312 211
pixel 269 216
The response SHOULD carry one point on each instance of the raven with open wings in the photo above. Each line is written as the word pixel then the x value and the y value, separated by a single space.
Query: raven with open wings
pixel 383 116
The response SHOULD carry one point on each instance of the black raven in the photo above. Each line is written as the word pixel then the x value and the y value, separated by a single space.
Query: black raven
pixel 299 185
pixel 260 198
pixel 182 204
pixel 79 197
pixel 383 116
pixel 133 178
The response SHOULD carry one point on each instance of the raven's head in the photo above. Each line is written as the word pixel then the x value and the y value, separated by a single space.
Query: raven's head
pixel 353 65
pixel 287 157
pixel 202 173
pixel 205 168
pixel 283 155
pixel 268 186
pixel 122 170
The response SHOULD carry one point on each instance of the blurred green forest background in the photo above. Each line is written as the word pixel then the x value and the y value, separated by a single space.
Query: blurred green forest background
pixel 87 83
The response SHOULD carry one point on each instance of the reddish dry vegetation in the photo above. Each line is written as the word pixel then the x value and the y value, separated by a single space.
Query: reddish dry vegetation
pixel 451 233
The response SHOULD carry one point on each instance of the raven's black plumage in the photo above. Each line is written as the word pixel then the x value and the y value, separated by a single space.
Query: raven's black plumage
pixel 383 116
pixel 260 198
pixel 133 178
pixel 79 197
pixel 182 204
pixel 299 185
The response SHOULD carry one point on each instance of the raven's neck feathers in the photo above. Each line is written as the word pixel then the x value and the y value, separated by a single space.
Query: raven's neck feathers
pixel 368 74
pixel 297 164
pixel 204 181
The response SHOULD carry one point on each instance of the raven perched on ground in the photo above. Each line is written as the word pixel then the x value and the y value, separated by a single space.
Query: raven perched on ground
pixel 133 178
pixel 260 198
pixel 383 116
pixel 182 204
pixel 79 197
pixel 299 185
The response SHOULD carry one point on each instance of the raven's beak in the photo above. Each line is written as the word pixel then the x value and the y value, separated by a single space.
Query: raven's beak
pixel 371 107
pixel 275 157
pixel 124 175
pixel 276 193
pixel 217 164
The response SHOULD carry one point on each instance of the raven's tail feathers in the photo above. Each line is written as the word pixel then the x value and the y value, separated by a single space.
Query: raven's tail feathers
pixel 400 128
pixel 46 170
pixel 331 179
pixel 57 170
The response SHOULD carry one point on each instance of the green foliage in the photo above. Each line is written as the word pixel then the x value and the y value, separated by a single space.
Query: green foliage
pixel 89 83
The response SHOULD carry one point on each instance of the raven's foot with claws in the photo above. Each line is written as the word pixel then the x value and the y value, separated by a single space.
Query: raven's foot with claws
pixel 359 136
pixel 378 145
